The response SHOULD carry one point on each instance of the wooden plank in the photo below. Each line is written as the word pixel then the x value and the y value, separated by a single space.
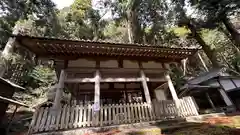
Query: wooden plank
pixel 72 113
pixel 58 119
pixel 39 118
pixel 80 122
pixel 67 117
pixel 63 117
pixel 53 120
pixel 117 114
pixel 160 105
pixel 168 109
pixel 183 108
pixel 120 113
pixel 76 109
pixel 136 112
pixel 146 112
pixel 155 104
pixel 114 113
pixel 109 114
pixel 34 120
pixel 143 112
pixel 188 106
pixel 84 115
pixel 44 119
pixel 125 113
pixel 101 115
pixel 139 112
pixel 97 118
pixel 133 117
pixel 151 112
pixel 128 113
pixel 164 110
pixel 49 117
pixel 193 106
pixel 89 115
pixel 105 108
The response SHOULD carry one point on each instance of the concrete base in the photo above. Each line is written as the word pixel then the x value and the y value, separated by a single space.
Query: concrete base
pixel 202 118
pixel 150 128
pixel 136 128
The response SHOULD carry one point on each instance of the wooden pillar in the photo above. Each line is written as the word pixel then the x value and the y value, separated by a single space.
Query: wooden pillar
pixel 171 87
pixel 59 90
pixel 184 63
pixel 145 87
pixel 225 97
pixel 202 61
pixel 97 88
pixel 210 101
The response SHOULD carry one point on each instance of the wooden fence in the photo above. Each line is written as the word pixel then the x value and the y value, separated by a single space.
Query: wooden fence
pixel 76 116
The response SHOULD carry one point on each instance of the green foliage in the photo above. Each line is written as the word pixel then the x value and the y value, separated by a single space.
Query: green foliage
pixel 180 31
pixel 156 22
pixel 116 32
pixel 80 7
pixel 41 76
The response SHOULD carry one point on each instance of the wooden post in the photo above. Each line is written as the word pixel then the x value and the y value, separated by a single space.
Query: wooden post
pixel 184 63
pixel 145 87
pixel 96 106
pixel 210 101
pixel 202 61
pixel 11 119
pixel 97 88
pixel 171 87
pixel 59 90
pixel 225 97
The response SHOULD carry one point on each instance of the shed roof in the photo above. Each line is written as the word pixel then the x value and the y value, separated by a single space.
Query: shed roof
pixel 11 101
pixel 11 84
pixel 73 49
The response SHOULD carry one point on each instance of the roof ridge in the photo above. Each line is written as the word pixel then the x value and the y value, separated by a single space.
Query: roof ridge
pixel 105 42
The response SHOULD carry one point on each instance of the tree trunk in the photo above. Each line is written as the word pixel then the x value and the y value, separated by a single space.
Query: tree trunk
pixel 211 53
pixel 235 35
pixel 184 20
pixel 236 49
pixel 134 28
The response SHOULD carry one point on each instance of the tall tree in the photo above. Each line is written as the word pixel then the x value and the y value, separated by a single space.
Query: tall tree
pixel 42 12
pixel 192 25
pixel 218 11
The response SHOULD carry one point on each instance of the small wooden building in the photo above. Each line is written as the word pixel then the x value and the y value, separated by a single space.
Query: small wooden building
pixel 7 90
pixel 218 88
pixel 109 83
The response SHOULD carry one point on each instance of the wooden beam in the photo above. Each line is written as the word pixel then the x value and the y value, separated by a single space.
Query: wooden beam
pixel 225 97
pixel 202 61
pixel 210 101
pixel 145 87
pixel 86 80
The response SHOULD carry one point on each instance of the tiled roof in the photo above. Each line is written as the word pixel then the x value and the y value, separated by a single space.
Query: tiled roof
pixel 71 49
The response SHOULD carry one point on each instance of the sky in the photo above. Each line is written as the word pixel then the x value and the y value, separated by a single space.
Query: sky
pixel 62 3
pixel 65 3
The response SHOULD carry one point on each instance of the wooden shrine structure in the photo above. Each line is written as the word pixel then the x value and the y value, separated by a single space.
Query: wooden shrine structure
pixel 109 83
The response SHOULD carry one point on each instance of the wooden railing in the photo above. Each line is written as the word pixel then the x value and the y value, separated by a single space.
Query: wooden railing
pixel 76 116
